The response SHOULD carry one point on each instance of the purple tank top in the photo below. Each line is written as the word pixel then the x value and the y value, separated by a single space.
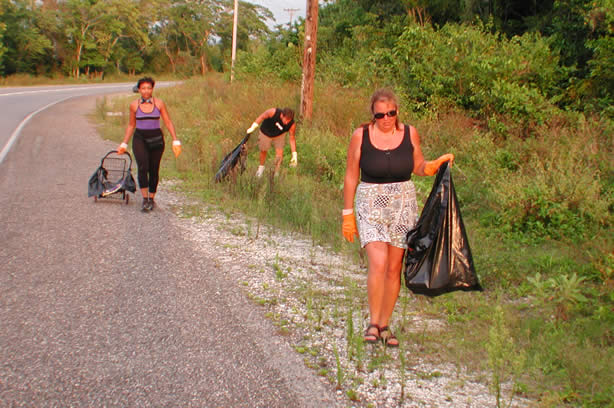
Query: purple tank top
pixel 148 121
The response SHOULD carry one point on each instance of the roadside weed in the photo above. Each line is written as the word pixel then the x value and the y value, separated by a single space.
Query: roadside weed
pixel 504 359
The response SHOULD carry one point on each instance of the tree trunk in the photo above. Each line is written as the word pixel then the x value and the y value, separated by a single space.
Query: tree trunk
pixel 309 59
pixel 203 65
pixel 78 58
pixel 170 58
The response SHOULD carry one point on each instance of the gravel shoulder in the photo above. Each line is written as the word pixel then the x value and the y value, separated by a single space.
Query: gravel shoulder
pixel 307 291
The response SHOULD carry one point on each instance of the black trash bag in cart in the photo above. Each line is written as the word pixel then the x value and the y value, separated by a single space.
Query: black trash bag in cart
pixel 113 174
pixel 95 185
pixel 438 258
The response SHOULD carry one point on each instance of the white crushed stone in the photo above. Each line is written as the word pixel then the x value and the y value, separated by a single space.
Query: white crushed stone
pixel 279 270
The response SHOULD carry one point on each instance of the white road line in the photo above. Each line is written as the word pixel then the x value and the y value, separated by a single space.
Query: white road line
pixel 17 131
pixel 65 89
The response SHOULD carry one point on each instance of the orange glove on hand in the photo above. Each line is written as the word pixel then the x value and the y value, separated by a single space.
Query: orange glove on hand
pixel 349 227
pixel 431 167
pixel 122 148
pixel 176 148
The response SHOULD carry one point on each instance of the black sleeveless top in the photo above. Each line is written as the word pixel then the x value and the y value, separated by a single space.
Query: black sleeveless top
pixel 386 166
pixel 273 127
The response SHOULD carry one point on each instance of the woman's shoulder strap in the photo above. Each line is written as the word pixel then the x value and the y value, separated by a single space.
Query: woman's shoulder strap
pixel 365 135
pixel 158 103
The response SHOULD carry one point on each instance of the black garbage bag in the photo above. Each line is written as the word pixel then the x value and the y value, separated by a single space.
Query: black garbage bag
pixel 96 184
pixel 118 177
pixel 99 184
pixel 438 258
pixel 230 161
pixel 128 183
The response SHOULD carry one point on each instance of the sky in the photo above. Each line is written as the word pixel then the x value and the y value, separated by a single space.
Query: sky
pixel 278 7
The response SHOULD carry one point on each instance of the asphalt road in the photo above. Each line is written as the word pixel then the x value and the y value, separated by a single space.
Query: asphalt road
pixel 102 305
pixel 17 103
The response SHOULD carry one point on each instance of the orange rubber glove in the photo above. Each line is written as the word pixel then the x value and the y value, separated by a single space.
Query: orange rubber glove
pixel 176 148
pixel 431 167
pixel 349 227
pixel 122 148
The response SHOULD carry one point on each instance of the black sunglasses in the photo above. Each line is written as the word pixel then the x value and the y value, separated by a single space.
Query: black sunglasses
pixel 380 115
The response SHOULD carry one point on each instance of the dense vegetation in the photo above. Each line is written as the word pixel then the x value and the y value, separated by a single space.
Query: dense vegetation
pixel 520 92
pixel 98 37
pixel 562 50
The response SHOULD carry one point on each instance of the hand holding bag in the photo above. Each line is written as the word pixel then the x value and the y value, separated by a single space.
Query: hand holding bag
pixel 438 258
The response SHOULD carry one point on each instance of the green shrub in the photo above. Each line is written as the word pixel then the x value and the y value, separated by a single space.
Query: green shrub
pixel 279 62
pixel 478 70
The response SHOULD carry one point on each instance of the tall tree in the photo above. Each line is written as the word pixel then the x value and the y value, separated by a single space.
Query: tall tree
pixel 25 44
pixel 81 19
pixel 165 33
pixel 129 24
pixel 196 21
pixel 2 47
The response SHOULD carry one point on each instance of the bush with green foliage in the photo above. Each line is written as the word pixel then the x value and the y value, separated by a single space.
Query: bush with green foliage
pixel 283 61
pixel 478 70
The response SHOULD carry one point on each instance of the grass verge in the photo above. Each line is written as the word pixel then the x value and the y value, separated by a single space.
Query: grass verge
pixel 540 234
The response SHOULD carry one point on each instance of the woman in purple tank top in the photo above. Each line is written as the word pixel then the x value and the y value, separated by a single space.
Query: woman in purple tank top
pixel 147 139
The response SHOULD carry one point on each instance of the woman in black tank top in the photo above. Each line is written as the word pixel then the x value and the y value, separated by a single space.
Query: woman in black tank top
pixel 383 154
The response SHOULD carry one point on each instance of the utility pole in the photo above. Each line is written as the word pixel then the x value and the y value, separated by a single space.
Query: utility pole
pixel 291 11
pixel 234 40
pixel 309 59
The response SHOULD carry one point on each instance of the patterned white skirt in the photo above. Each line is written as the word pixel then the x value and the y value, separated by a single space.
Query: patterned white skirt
pixel 386 212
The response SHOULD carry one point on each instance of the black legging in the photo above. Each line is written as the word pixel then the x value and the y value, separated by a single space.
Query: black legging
pixel 147 161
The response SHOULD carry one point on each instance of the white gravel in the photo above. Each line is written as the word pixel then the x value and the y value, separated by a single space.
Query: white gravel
pixel 304 288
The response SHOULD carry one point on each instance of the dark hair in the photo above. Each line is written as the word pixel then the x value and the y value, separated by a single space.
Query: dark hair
pixel 288 113
pixel 146 80
pixel 384 95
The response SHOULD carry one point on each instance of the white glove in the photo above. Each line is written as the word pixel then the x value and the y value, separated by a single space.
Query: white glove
pixel 252 127
pixel 122 148
pixel 294 160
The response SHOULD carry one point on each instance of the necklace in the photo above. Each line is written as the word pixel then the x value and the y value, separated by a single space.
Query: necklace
pixel 386 134
pixel 386 139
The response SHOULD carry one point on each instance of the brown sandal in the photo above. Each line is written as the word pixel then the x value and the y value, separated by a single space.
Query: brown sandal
pixel 372 338
pixel 386 335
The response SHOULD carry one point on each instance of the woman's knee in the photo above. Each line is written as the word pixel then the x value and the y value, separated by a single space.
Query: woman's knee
pixel 393 273
pixel 377 266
